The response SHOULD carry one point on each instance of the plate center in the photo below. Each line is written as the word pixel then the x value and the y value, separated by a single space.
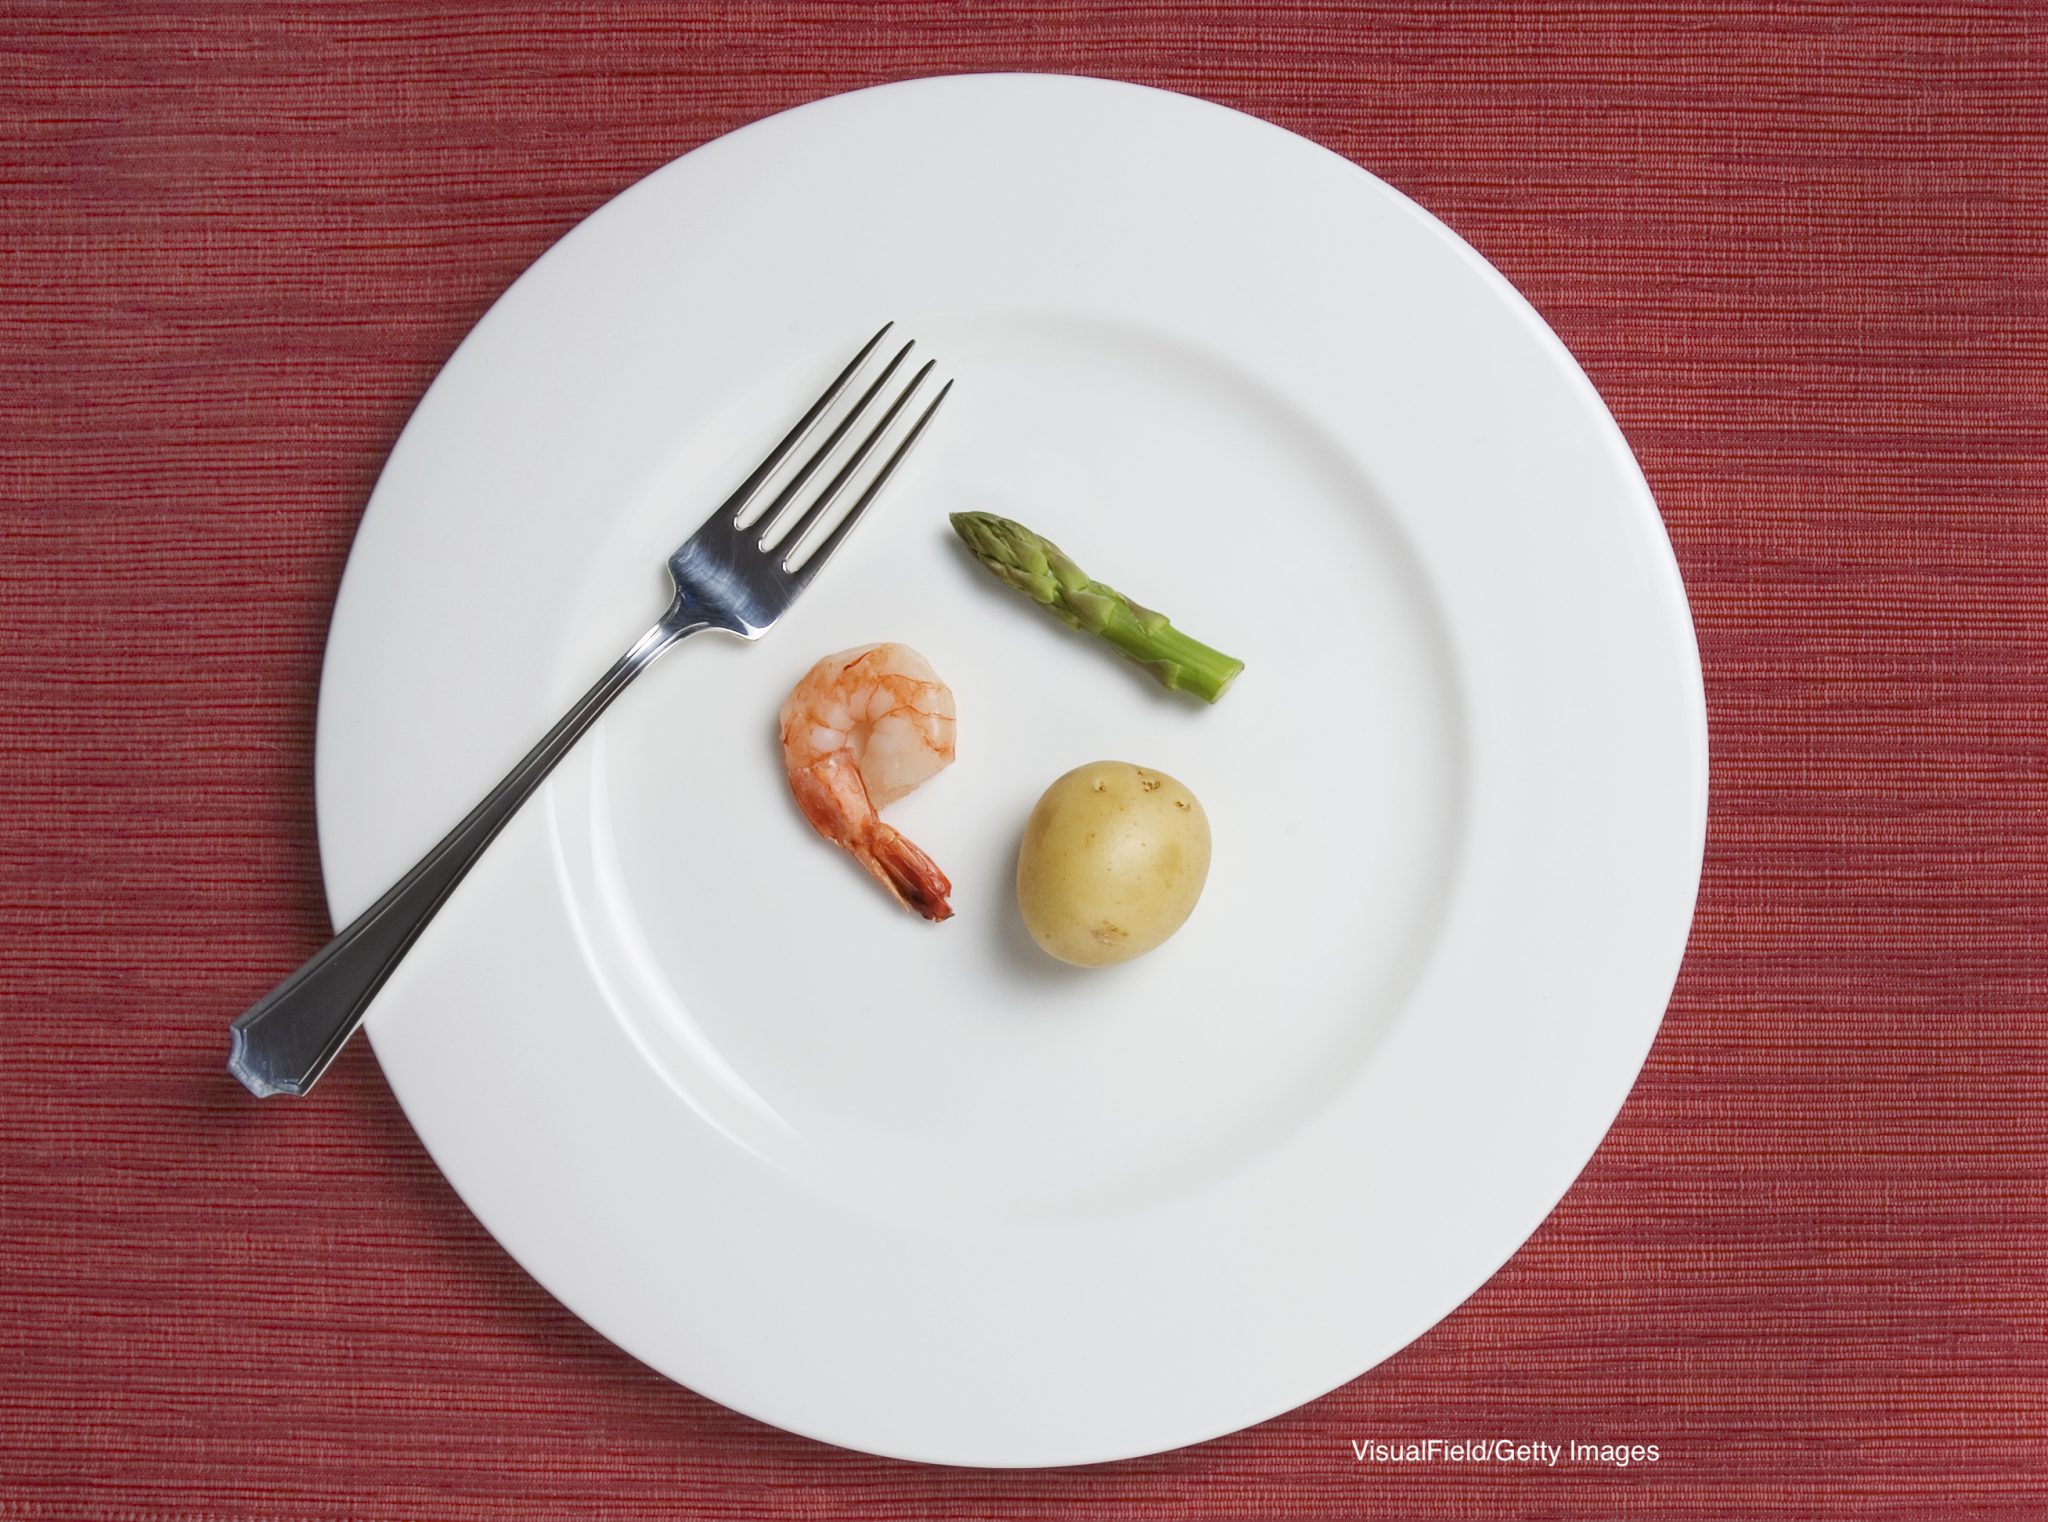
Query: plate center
pixel 902 1065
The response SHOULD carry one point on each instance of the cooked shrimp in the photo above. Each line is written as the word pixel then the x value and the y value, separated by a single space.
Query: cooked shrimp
pixel 861 729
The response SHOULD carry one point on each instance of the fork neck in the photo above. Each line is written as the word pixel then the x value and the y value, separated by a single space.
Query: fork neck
pixel 684 617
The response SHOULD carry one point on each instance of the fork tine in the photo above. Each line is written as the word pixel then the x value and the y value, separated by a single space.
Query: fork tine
pixel 793 540
pixel 764 526
pixel 830 544
pixel 738 502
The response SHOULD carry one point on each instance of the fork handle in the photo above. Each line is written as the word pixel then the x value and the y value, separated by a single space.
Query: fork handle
pixel 287 1039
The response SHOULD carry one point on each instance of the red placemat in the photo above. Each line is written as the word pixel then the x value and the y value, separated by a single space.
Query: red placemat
pixel 1799 249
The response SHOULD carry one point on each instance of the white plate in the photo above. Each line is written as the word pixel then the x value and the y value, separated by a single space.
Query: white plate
pixel 915 1189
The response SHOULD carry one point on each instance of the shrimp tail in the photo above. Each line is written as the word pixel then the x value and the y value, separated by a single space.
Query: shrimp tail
pixel 913 877
pixel 835 801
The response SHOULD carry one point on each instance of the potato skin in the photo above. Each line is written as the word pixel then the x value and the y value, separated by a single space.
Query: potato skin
pixel 1114 857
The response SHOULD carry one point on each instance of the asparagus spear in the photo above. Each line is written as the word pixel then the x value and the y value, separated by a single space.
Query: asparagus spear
pixel 1035 566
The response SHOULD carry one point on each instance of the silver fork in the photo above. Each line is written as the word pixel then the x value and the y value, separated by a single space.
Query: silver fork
pixel 739 573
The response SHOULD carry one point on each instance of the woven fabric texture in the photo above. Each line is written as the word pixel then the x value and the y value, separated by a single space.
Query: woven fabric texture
pixel 1800 250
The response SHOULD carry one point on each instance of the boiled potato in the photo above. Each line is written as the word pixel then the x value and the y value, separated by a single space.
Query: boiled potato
pixel 1114 858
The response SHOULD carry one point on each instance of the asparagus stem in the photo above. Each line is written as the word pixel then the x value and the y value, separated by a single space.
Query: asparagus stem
pixel 1037 567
